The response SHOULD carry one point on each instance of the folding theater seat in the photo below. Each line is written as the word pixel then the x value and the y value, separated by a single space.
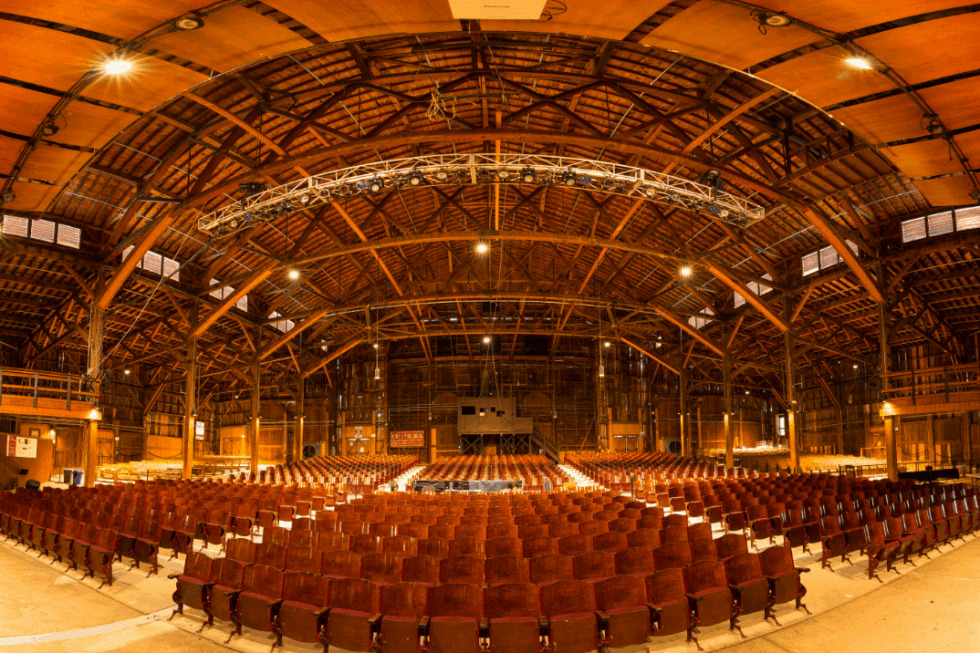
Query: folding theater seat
pixel 710 597
pixel 924 533
pixel 382 568
pixel 879 548
pixel 703 548
pixel 550 568
pixel 401 545
pixel 749 588
pixel 644 538
pixel 624 616
pixel 935 516
pixel 509 569
pixel 101 555
pixel 421 569
pixel 194 586
pixel 301 616
pixel 668 602
pixel 353 615
pixel 731 544
pixel 463 569
pixel 832 539
pixel 572 621
pixel 783 577
pixel 612 541
pixel 436 547
pixel 455 616
pixel 330 542
pixel 303 560
pixel 794 528
pixel 272 555
pixel 893 533
pixel 635 562
pixel 514 615
pixel 80 549
pixel 759 525
pixel 230 576
pixel 673 555
pixel 40 529
pixel 301 539
pixel 574 544
pixel 468 546
pixel 854 534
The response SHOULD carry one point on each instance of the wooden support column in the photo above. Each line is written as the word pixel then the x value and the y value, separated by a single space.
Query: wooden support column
pixel 601 425
pixel 791 406
pixel 95 334
pixel 888 412
pixel 254 431
pixel 298 428
pixel 931 438
pixel 843 413
pixel 685 440
pixel 727 417
pixel 190 399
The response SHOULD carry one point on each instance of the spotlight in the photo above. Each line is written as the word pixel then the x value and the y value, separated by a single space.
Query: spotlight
pixel 771 19
pixel 189 22
pixel 375 345
pixel 305 199
pixel 686 271
pixel 855 366
pixel 486 340
pixel 503 173
pixel 650 192
pixel 931 124
pixel 49 128
pixel 442 175
pixel 568 178
pixel 610 184
pixel 294 274
pixel 859 62
pixel 607 344
pixel 324 193
pixel 719 211
pixel 9 196
pixel 250 188
pixel 415 179
pixel 126 371
pixel 234 223
pixel 377 372
pixel 482 247
pixel 376 185
pixel 975 194
pixel 527 175
pixel 117 66
pixel 673 197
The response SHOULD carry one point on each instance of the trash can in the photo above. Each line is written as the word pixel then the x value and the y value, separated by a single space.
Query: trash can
pixel 68 476
pixel 77 477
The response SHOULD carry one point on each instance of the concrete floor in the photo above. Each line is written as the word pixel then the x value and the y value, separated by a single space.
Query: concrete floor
pixel 933 607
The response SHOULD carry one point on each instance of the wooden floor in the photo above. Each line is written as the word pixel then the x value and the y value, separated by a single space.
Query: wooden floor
pixel 934 607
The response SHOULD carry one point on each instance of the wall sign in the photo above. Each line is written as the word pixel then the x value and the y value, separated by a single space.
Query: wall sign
pixel 403 439
pixel 21 447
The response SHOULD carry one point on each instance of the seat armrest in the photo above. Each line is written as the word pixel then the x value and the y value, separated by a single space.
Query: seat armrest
pixel 233 593
pixel 803 570
pixel 602 617
pixel 374 621
pixel 484 626
pixel 543 624
pixel 654 609
pixel 695 599
pixel 172 576
pixel 273 604
pixel 424 625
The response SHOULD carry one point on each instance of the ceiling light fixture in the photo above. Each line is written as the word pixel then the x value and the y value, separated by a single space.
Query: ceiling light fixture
pixel 48 128
pixel 189 22
pixel 859 62
pixel 376 185
pixel 486 340
pixel 305 199
pixel 607 344
pixel 126 371
pixel 528 176
pixel 9 196
pixel 771 19
pixel 294 274
pixel 568 178
pixel 117 66
pixel 686 271
pixel 482 247
pixel 930 122
pixel 415 179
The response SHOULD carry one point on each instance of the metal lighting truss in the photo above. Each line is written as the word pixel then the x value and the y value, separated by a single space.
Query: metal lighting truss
pixel 457 169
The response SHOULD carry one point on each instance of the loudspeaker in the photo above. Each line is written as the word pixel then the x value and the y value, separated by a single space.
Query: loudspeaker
pixel 314 450
pixel 672 446
pixel 33 484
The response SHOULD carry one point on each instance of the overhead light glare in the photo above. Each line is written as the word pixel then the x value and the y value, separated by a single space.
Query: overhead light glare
pixel 486 340
pixel 859 62
pixel 126 371
pixel 482 247
pixel 117 66
pixel 607 343
pixel 686 271
pixel 294 274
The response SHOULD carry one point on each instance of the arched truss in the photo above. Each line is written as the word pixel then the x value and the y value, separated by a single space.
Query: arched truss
pixel 260 203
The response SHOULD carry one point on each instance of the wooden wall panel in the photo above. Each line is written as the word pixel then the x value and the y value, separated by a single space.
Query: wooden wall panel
pixel 822 78
pixel 58 63
pixel 22 109
pixel 151 83
pixel 32 197
pixel 90 125
pixel 53 164
pixel 951 191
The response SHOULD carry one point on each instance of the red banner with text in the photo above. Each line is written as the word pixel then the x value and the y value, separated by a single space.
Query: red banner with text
pixel 407 439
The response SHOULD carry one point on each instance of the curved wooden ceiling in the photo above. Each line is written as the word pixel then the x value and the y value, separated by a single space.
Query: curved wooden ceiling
pixel 279 90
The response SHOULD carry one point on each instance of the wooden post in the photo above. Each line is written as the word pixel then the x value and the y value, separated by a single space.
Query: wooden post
pixel 298 428
pixel 190 399
pixel 931 438
pixel 727 417
pixel 791 406
pixel 254 431
pixel 884 361
pixel 95 333
pixel 685 441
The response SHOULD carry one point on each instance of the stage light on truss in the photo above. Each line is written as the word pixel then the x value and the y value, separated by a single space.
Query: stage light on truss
pixel 719 211
pixel 415 178
pixel 568 178
pixel 503 173
pixel 305 199
pixel 324 193
pixel 442 175
pixel 527 175
pixel 772 18
pixel 650 192
pixel 376 185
